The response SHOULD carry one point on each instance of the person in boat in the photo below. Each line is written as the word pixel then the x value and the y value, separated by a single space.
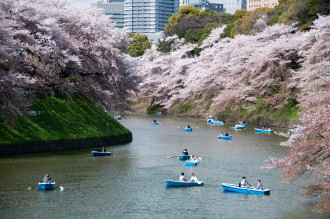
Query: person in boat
pixel 193 178
pixel 188 127
pixel 98 149
pixel 259 186
pixel 243 183
pixel 185 152
pixel 155 121
pixel 226 134
pixel 46 179
pixel 192 158
pixel 182 179
pixel 244 122
pixel 104 150
pixel 221 134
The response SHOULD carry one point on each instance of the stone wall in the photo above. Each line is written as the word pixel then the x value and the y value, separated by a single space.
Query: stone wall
pixel 63 144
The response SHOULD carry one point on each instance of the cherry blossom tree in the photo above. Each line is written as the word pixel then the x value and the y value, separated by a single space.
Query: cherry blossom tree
pixel 50 46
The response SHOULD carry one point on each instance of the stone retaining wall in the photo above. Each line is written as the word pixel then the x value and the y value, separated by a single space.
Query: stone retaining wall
pixel 64 144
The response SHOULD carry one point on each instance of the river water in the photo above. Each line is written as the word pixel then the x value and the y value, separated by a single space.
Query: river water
pixel 131 183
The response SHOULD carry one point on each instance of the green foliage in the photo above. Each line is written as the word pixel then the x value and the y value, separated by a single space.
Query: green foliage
pixel 165 46
pixel 138 45
pixel 188 10
pixel 72 78
pixel 227 18
pixel 227 31
pixel 193 35
pixel 61 119
pixel 153 109
pixel 199 35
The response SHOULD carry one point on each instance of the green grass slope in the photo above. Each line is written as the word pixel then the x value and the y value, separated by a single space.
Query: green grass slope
pixel 58 118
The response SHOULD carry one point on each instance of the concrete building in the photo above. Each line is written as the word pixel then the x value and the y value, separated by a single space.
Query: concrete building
pixel 203 4
pixel 114 8
pixel 230 6
pixel 149 16
pixel 254 4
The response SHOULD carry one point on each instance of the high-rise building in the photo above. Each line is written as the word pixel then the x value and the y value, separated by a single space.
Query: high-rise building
pixel 114 8
pixel 148 16
pixel 254 4
pixel 203 4
pixel 230 6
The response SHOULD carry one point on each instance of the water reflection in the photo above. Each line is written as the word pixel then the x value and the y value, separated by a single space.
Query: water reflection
pixel 131 183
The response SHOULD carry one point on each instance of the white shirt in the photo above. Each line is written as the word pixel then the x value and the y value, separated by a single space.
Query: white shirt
pixel 194 178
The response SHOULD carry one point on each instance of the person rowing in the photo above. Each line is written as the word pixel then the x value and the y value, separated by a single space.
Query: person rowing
pixel 185 152
pixel 188 127
pixel 244 183
pixel 182 179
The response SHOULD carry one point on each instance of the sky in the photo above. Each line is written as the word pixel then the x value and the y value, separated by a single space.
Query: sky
pixel 82 2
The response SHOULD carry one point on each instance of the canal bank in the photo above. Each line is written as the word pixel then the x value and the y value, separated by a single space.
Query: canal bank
pixel 64 144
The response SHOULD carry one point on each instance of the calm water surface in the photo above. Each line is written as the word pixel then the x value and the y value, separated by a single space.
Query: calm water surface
pixel 131 183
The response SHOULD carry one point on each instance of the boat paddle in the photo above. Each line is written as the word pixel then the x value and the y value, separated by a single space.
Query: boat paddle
pixel 32 186
pixel 172 157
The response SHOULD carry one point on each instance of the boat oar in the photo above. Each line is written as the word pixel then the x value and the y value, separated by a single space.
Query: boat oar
pixel 172 157
pixel 32 186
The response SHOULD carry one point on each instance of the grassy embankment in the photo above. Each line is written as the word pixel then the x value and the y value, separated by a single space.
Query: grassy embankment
pixel 60 118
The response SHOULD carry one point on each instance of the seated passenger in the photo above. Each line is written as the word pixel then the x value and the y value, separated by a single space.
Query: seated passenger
pixel 185 152
pixel 259 186
pixel 98 149
pixel 226 134
pixel 188 126
pixel 104 150
pixel 182 179
pixel 221 134
pixel 193 178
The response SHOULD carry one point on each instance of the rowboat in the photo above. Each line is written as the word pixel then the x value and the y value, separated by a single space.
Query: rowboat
pixel 177 183
pixel 210 117
pixel 46 186
pixel 159 114
pixel 236 188
pixel 192 163
pixel 238 127
pixel 184 157
pixel 100 153
pixel 244 124
pixel 217 123
pixel 154 123
pixel 225 137
pixel 118 118
pixel 263 130
pixel 188 129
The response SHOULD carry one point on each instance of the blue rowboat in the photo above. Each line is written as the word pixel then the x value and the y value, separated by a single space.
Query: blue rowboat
pixel 238 127
pixel 217 123
pixel 263 130
pixel 189 163
pixel 177 183
pixel 97 153
pixel 210 117
pixel 225 137
pixel 235 188
pixel 154 123
pixel 159 114
pixel 188 129
pixel 184 157
pixel 46 186
pixel 118 118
